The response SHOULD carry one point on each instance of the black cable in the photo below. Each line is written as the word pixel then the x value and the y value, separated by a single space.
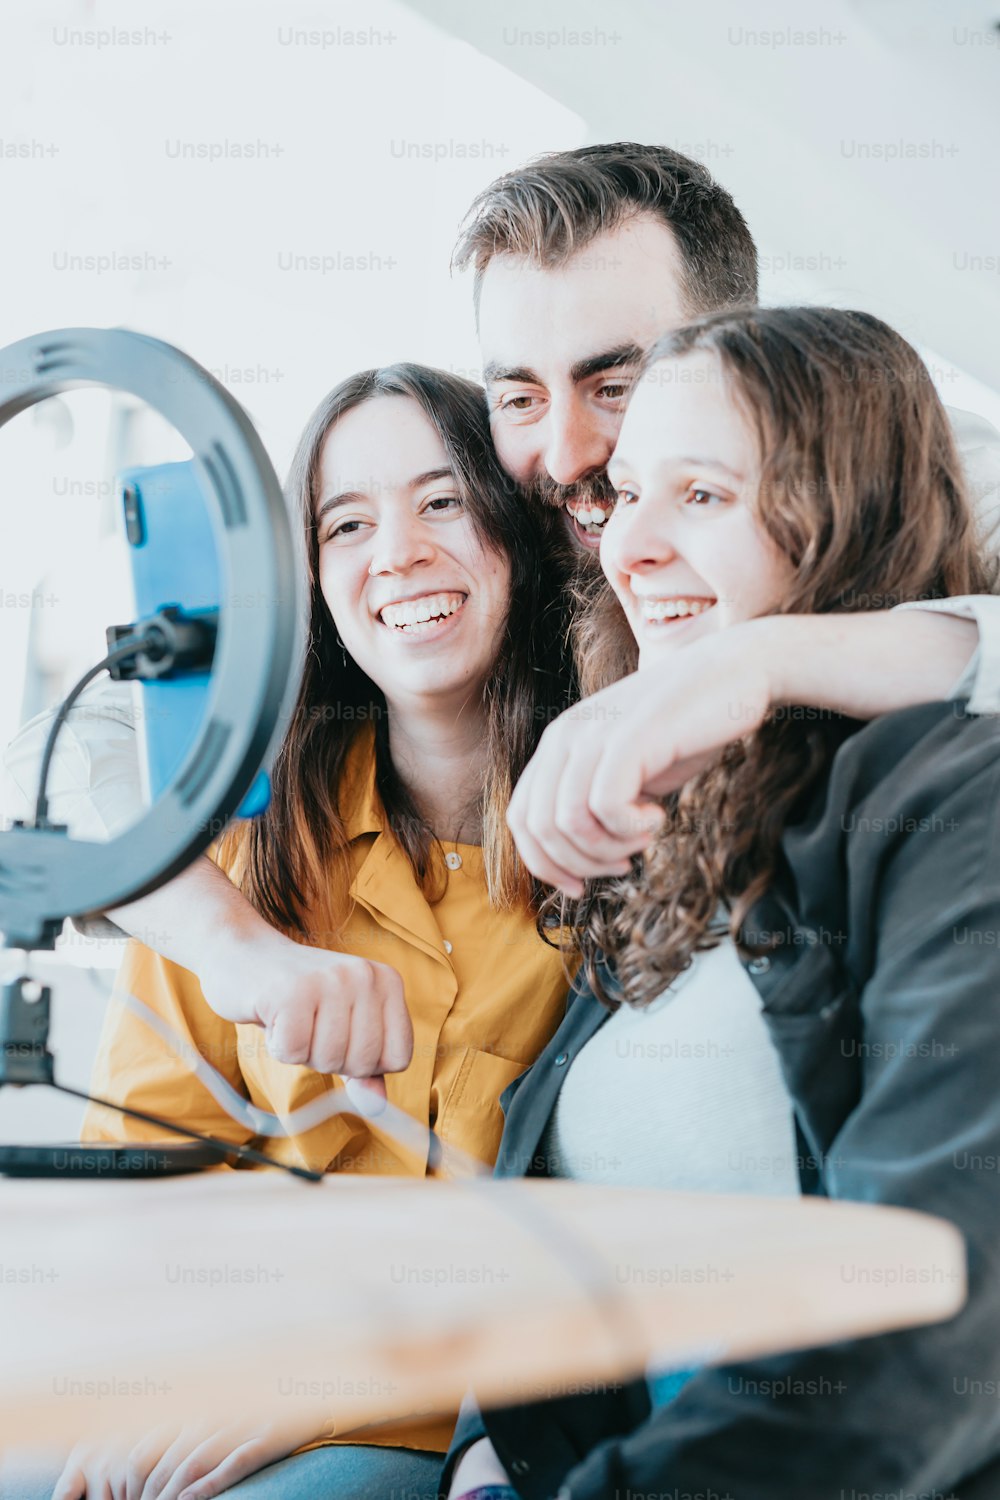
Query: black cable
pixel 224 1148
pixel 135 644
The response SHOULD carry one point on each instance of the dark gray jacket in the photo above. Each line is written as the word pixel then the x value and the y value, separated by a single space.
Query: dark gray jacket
pixel 883 1002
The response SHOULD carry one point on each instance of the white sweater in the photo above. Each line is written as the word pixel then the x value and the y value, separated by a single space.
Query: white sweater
pixel 685 1094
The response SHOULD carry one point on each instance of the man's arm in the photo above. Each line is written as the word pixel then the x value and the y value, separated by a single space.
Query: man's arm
pixel 584 803
pixel 869 663
pixel 980 681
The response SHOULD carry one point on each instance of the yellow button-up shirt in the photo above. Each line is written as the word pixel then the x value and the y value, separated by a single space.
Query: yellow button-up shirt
pixel 484 994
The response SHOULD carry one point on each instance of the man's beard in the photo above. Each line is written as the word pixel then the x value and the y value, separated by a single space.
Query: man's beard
pixel 593 494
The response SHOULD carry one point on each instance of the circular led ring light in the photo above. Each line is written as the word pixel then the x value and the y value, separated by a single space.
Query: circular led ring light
pixel 45 876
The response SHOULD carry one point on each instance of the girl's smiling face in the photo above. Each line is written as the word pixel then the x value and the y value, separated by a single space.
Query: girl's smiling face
pixel 417 599
pixel 683 549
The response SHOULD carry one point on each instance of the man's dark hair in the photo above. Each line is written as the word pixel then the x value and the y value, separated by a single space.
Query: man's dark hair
pixel 549 209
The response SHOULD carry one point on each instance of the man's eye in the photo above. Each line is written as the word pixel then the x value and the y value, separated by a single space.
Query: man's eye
pixel 516 403
pixel 615 390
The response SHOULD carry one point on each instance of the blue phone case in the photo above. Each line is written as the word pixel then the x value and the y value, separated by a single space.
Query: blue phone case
pixel 174 560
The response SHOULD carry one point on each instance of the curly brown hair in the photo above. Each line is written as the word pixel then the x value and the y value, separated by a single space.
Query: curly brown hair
pixel 861 488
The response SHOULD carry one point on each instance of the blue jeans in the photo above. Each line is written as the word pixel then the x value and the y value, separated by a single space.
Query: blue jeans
pixel 348 1472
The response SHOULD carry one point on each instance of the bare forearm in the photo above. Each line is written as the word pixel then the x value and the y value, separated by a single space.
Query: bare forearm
pixel 322 1009
pixel 195 918
pixel 864 664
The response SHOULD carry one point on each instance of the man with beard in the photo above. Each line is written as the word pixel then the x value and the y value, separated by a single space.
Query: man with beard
pixel 581 259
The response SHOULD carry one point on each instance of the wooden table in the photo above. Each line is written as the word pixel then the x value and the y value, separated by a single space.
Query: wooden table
pixel 123 1304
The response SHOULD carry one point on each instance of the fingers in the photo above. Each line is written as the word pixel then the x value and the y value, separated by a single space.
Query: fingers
pixel 188 1441
pixel 158 1468
pixel 143 1458
pixel 617 801
pixel 368 1095
pixel 193 1466
pixel 597 830
pixel 535 856
pixel 290 1028
pixel 331 1026
pixel 576 812
pixel 603 832
pixel 245 1461
pixel 545 851
pixel 336 1013
pixel 238 1451
pixel 364 1047
pixel 72 1482
pixel 93 1471
pixel 397 1041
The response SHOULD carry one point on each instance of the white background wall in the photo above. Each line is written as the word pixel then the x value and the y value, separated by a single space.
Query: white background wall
pixel 859 137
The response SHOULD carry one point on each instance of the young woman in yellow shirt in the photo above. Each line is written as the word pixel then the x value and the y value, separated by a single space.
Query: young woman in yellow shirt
pixel 382 897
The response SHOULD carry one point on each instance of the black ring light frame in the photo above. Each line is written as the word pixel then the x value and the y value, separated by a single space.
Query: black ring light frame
pixel 45 876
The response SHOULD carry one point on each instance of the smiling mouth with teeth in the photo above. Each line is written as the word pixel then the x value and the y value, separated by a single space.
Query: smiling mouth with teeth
pixel 588 518
pixel 660 611
pixel 422 616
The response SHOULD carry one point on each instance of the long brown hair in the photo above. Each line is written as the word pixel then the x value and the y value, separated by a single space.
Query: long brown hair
pixel 293 861
pixel 861 488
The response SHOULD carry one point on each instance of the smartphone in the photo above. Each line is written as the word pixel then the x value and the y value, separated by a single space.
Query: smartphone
pixel 174 560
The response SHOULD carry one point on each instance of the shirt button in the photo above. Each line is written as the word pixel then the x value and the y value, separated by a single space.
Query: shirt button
pixel 562 1059
pixel 758 965
pixel 520 1466
pixel 453 860
pixel 447 946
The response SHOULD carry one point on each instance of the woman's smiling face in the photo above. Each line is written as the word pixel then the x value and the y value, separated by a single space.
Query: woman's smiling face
pixel 416 598
pixel 683 549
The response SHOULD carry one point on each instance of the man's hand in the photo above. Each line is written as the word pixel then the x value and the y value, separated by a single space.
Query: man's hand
pixel 199 1461
pixel 582 805
pixel 332 1012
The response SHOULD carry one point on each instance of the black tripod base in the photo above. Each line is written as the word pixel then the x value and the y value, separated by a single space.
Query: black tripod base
pixel 24 1032
pixel 107 1161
